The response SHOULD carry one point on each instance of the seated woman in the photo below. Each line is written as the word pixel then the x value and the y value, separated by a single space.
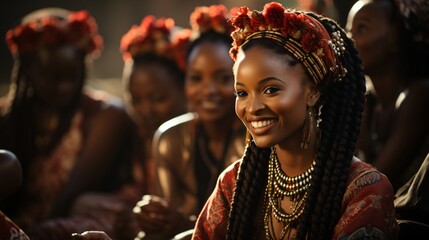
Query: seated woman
pixel 392 38
pixel 69 138
pixel 191 150
pixel 153 82
pixel 300 93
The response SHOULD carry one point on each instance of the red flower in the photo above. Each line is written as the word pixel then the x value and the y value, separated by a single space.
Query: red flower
pixel 274 14
pixel 292 22
pixel 310 42
pixel 241 19
pixel 257 20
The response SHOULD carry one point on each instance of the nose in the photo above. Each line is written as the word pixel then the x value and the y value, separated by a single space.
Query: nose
pixel 144 109
pixel 254 104
pixel 209 87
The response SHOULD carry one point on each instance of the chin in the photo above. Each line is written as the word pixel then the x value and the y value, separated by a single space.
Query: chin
pixel 262 143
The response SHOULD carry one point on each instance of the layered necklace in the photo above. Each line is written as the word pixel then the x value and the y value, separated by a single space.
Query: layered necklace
pixel 278 187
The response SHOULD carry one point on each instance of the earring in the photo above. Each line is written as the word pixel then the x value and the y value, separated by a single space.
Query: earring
pixel 308 129
pixel 248 137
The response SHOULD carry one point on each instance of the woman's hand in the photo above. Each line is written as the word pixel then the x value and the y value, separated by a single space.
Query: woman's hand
pixel 156 215
pixel 91 235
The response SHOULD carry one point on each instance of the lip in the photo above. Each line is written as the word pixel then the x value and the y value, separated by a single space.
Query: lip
pixel 261 126
pixel 210 104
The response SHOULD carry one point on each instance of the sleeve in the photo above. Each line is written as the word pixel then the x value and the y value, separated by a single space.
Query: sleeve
pixel 212 222
pixel 368 209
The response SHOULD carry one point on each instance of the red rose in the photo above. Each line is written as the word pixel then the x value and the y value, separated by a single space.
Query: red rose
pixel 241 20
pixel 257 20
pixel 310 42
pixel 274 14
pixel 292 22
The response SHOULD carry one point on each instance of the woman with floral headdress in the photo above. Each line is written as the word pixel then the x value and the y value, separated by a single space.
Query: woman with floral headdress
pixel 153 82
pixel 191 150
pixel 300 93
pixel 69 138
pixel 392 38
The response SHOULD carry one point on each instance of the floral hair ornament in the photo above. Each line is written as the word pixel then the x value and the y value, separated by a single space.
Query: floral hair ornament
pixel 214 17
pixel 44 28
pixel 302 35
pixel 155 36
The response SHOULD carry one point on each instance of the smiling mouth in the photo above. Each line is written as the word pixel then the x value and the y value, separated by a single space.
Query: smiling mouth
pixel 261 124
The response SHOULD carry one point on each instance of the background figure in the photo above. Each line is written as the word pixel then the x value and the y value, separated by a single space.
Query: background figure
pixel 300 93
pixel 10 180
pixel 191 150
pixel 69 138
pixel 153 86
pixel 392 38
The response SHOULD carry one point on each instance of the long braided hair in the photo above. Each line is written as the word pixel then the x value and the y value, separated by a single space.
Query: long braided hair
pixel 341 116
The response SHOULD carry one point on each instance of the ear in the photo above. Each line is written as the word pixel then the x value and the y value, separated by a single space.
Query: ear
pixel 312 94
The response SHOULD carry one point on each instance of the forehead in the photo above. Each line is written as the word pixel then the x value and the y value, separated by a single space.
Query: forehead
pixel 210 54
pixel 259 62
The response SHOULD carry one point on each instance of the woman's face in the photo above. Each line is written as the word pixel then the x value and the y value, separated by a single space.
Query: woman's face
pixel 57 75
pixel 209 84
pixel 273 93
pixel 374 32
pixel 154 96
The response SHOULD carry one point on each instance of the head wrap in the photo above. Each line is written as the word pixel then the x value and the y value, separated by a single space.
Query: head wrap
pixel 55 26
pixel 299 33
pixel 214 18
pixel 155 36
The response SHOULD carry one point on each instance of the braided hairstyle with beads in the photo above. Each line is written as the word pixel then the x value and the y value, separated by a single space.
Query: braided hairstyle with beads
pixel 339 127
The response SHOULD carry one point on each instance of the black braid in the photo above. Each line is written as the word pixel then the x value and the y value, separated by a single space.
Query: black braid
pixel 341 116
pixel 250 186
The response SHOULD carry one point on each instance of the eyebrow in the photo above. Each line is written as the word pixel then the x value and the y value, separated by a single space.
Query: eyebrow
pixel 264 80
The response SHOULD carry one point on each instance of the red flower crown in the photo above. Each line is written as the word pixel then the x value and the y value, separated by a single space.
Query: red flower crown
pixel 155 36
pixel 214 17
pixel 302 35
pixel 79 29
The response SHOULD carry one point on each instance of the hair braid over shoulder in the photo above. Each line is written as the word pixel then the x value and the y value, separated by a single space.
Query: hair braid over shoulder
pixel 250 187
pixel 341 116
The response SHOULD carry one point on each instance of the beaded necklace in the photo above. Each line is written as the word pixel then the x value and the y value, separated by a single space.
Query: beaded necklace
pixel 279 186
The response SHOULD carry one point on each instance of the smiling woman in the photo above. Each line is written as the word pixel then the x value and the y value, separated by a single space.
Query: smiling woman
pixel 192 149
pixel 300 92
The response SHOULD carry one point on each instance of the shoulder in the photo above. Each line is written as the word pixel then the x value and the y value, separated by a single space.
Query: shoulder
pixel 99 105
pixel 363 175
pixel 367 205
pixel 174 126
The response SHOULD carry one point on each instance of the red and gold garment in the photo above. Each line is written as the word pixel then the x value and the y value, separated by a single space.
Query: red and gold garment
pixel 367 206
pixel 9 230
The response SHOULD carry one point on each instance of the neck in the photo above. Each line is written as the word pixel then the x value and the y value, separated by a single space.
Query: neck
pixel 388 84
pixel 217 131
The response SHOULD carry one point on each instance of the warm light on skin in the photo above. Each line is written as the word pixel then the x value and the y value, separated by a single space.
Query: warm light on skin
pixel 209 82
pixel 273 93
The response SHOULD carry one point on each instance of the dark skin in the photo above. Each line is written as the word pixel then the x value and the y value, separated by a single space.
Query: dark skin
pixel 378 42
pixel 209 91
pixel 273 93
pixel 58 75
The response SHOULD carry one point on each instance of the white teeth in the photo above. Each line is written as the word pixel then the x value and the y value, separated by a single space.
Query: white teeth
pixel 209 104
pixel 259 124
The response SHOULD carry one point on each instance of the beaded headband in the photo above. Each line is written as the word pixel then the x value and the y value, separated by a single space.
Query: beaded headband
pixel 214 17
pixel 300 34
pixel 155 36
pixel 78 28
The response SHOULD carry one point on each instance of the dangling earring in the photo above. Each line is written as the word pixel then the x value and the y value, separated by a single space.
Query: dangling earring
pixel 248 137
pixel 308 129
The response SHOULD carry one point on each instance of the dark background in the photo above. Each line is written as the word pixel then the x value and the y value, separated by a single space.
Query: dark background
pixel 114 18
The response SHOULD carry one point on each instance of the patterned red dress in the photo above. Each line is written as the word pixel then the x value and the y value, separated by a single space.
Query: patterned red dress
pixel 367 206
